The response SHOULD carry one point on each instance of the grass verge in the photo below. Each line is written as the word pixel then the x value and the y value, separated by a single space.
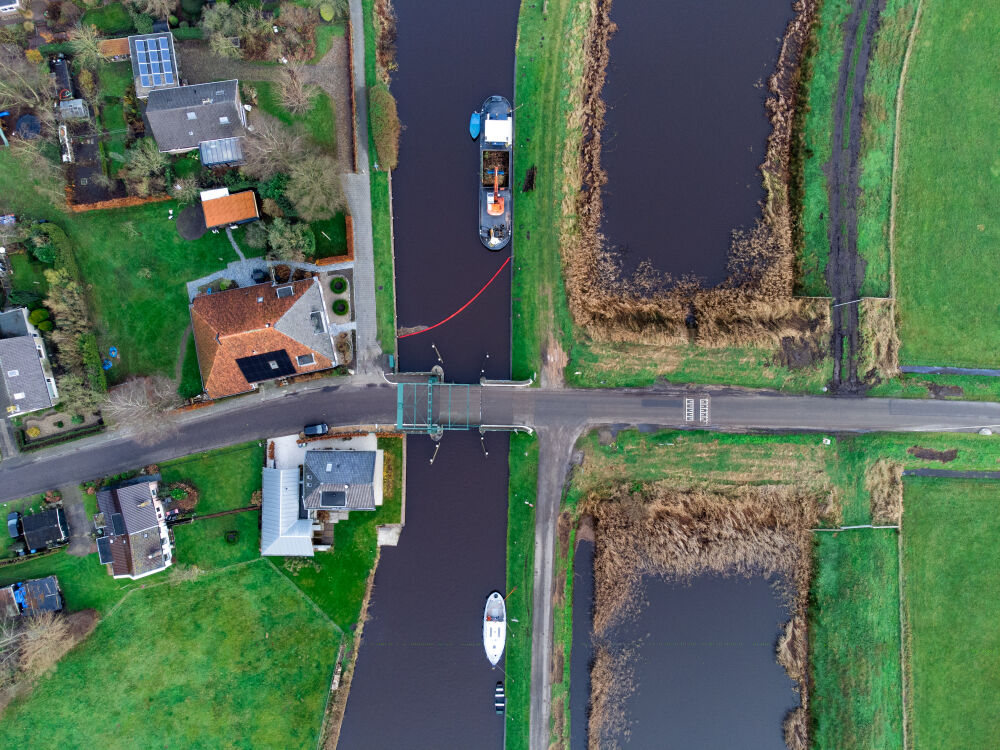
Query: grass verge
pixel 385 278
pixel 950 532
pixel 190 385
pixel 522 490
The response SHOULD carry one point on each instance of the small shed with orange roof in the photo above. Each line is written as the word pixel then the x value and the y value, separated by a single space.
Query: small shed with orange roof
pixel 238 208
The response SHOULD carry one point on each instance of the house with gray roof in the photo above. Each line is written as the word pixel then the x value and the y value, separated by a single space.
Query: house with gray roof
pixel 305 492
pixel 185 117
pixel 133 538
pixel 28 383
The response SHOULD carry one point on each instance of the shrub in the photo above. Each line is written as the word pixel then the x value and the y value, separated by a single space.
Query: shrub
pixel 33 56
pixel 172 20
pixel 59 424
pixel 255 235
pixel 77 419
pixel 192 7
pixel 338 285
pixel 23 298
pixel 340 307
pixel 45 326
pixel 38 316
pixel 326 12
pixel 33 432
pixel 178 493
pixel 92 360
pixel 385 124
pixel 224 285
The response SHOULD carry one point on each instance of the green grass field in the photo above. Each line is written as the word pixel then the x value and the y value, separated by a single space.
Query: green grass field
pixel 319 121
pixel 29 273
pixel 951 585
pixel 190 385
pixel 84 581
pixel 114 78
pixel 948 212
pixel 522 489
pixel 236 659
pixel 385 281
pixel 331 236
pixel 854 638
pixel 325 34
pixel 109 19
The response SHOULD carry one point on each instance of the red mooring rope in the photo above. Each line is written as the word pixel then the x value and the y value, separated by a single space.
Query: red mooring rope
pixel 459 310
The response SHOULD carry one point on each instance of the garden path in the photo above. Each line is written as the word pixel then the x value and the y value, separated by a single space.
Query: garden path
pixel 232 241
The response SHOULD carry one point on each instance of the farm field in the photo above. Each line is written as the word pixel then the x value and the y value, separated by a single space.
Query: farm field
pixel 948 212
pixel 951 585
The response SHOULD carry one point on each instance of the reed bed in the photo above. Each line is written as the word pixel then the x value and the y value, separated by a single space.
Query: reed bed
pixel 680 535
pixel 879 350
pixel 884 484
pixel 755 304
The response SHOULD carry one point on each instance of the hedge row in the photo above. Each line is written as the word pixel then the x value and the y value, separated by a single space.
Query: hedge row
pixel 24 445
pixel 92 360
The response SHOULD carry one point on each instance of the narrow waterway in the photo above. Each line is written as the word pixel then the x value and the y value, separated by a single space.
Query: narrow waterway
pixel 422 679
pixel 686 128
pixel 703 663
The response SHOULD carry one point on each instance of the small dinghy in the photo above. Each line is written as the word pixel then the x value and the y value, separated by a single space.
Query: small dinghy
pixel 499 699
pixel 475 122
pixel 494 627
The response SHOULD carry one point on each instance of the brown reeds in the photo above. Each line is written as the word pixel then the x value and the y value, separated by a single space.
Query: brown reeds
pixel 884 483
pixel 754 305
pixel 879 350
pixel 679 535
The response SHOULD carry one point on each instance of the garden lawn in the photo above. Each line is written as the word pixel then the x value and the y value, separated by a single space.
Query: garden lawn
pixel 336 580
pixel 385 275
pixel 114 78
pixel 331 236
pixel 234 659
pixel 109 19
pixel 225 478
pixel 112 117
pixel 319 121
pixel 136 267
pixel 84 581
pixel 948 211
pixel 855 642
pixel 522 489
pixel 952 594
pixel 203 542
pixel 325 35
pixel 29 274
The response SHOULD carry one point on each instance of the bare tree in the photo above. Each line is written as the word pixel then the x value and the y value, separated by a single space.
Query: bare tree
pixel 83 40
pixel 271 148
pixel 43 642
pixel 296 95
pixel 140 407
pixel 223 46
pixel 25 83
pixel 186 190
pixel 314 188
pixel 156 8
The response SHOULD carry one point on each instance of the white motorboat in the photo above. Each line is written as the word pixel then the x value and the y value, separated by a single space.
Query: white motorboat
pixel 494 627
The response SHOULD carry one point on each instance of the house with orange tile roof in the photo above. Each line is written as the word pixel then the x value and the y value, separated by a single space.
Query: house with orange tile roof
pixel 227 210
pixel 259 333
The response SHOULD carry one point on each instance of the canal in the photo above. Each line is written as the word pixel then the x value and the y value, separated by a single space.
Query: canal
pixel 422 678
pixel 702 663
pixel 686 128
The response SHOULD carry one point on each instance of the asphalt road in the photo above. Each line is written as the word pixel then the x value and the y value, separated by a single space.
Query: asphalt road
pixel 562 412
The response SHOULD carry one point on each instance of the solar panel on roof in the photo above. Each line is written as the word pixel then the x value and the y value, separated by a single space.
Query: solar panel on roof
pixel 164 42
pixel 157 79
pixel 140 44
pixel 141 56
pixel 154 56
pixel 267 366
pixel 144 80
pixel 169 77
pixel 104 549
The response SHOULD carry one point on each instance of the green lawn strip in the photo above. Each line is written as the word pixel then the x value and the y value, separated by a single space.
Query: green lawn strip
pixel 203 542
pixel 336 580
pixel 824 75
pixel 109 19
pixel 973 387
pixel 112 117
pixel 543 84
pixel 225 478
pixel 951 585
pixel 385 282
pixel 854 642
pixel 522 489
pixel 331 236
pixel 877 139
pixel 114 78
pixel 319 121
pixel 948 218
pixel 598 366
pixel 325 35
pixel 371 76
pixel 24 506
pixel 85 583
pixel 190 385
pixel 29 274
pixel 136 284
pixel 233 659
pixel 25 192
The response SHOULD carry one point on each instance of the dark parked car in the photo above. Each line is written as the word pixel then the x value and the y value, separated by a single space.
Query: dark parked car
pixel 314 430
pixel 14 524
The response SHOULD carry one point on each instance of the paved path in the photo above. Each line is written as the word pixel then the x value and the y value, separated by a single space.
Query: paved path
pixel 80 543
pixel 357 190
pixel 232 241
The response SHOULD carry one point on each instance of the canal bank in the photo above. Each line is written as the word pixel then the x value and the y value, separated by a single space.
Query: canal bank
pixel 421 659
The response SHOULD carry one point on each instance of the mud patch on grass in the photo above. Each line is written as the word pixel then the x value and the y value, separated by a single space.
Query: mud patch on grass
pixel 945 391
pixel 929 454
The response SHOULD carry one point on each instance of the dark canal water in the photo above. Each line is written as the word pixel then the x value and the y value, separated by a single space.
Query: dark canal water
pixel 686 128
pixel 705 673
pixel 422 679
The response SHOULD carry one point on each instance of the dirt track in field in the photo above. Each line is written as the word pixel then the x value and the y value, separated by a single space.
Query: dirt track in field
pixel 845 270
